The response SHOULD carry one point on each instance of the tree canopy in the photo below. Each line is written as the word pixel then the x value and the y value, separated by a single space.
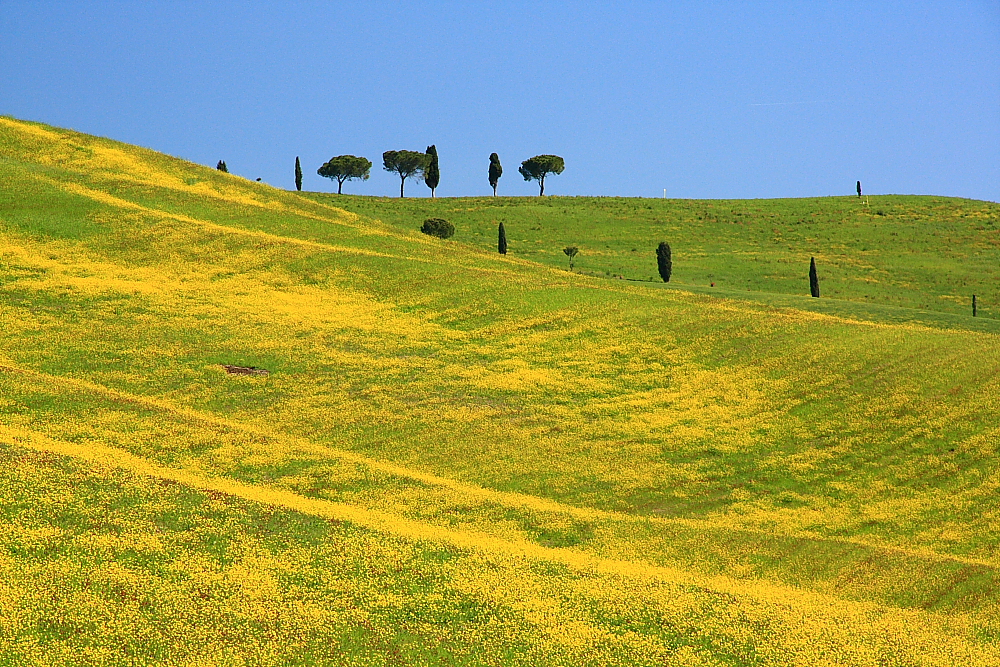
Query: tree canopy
pixel 571 252
pixel 406 164
pixel 496 171
pixel 432 174
pixel 346 168
pixel 538 167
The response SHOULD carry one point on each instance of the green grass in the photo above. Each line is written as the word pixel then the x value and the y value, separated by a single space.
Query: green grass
pixel 923 253
pixel 841 447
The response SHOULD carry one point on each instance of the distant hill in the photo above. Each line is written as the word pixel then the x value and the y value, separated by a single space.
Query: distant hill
pixel 917 252
pixel 461 458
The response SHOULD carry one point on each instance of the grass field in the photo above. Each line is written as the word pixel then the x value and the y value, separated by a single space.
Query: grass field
pixel 462 458
pixel 925 253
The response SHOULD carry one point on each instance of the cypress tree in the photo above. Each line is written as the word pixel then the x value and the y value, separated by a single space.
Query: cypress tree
pixel 298 174
pixel 502 240
pixel 813 278
pixel 496 171
pixel 663 261
pixel 432 174
pixel 859 189
pixel 222 166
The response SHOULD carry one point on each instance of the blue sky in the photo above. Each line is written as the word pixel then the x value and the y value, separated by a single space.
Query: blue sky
pixel 719 100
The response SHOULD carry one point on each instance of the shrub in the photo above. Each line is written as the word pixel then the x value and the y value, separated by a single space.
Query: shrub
pixel 438 227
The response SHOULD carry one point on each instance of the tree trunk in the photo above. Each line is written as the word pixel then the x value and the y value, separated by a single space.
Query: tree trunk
pixel 494 191
pixel 402 179
pixel 432 192
pixel 541 186
pixel 340 186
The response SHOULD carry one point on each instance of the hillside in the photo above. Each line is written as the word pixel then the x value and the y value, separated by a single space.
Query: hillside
pixel 929 254
pixel 462 458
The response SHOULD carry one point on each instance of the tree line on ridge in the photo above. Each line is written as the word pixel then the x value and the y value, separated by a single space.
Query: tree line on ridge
pixel 422 166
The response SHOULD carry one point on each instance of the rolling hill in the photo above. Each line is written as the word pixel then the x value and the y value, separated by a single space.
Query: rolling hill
pixel 462 458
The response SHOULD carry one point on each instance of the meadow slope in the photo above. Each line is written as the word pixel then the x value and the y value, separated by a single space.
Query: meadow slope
pixel 462 458
pixel 921 253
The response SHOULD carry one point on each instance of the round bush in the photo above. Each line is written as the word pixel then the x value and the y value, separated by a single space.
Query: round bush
pixel 438 227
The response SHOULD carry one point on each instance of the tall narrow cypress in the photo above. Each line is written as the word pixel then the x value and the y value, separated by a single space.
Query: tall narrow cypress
pixel 298 174
pixel 432 174
pixel 502 240
pixel 813 278
pixel 496 171
pixel 664 262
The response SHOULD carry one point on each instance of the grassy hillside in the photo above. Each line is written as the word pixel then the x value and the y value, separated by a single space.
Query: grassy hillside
pixel 925 253
pixel 457 457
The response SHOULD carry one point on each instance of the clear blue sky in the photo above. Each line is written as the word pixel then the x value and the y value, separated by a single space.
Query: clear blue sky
pixel 770 99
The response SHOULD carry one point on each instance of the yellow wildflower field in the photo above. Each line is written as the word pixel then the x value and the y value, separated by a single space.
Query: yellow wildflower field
pixel 456 457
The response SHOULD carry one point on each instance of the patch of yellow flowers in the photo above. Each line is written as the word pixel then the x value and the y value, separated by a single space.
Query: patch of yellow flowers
pixel 457 458
pixel 232 582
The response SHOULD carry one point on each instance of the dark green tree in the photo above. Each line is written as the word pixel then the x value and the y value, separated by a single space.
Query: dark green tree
pixel 813 278
pixel 438 227
pixel 346 168
pixel 501 239
pixel 222 166
pixel 571 252
pixel 298 174
pixel 432 174
pixel 663 261
pixel 406 164
pixel 859 188
pixel 538 167
pixel 496 171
